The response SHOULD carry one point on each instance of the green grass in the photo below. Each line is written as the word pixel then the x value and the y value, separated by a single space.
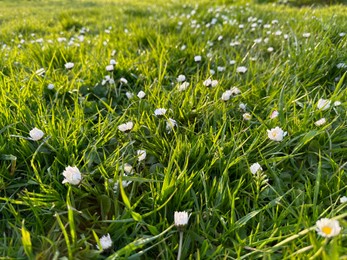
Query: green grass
pixel 203 165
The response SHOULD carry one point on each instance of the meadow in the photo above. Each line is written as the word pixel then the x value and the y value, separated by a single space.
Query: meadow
pixel 114 115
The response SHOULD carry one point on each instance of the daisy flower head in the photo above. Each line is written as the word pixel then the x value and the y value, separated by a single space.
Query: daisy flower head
pixel 126 127
pixel 129 95
pixel 226 95
pixel 197 58
pixel 235 91
pixel 274 114
pixel 214 83
pixel 247 116
pixel 241 69
pixel 181 219
pixel 36 134
pixel 128 169
pixel 255 167
pixel 276 134
pixel 326 227
pixel 116 185
pixel 72 175
pixel 323 104
pixel 105 242
pixel 243 106
pixel 181 78
pixel 320 122
pixel 109 67
pixel 183 86
pixel 69 65
pixel 337 103
pixel 343 199
pixel 160 112
pixel 207 82
pixel 141 155
pixel 220 68
pixel 123 80
pixel 341 65
pixel 40 72
pixel 141 94
pixel 170 124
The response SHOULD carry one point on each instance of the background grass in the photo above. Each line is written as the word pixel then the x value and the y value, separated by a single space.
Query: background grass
pixel 202 166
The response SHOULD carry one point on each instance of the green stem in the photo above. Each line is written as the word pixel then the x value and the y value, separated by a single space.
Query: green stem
pixel 180 246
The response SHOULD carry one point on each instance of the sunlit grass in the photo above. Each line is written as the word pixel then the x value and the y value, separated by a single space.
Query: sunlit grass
pixel 201 163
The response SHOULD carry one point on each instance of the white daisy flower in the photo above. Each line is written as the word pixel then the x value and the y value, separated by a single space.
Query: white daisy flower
pixel 235 91
pixel 160 111
pixel 69 65
pixel 72 175
pixel 126 127
pixel 141 94
pixel 197 58
pixel 36 134
pixel 276 134
pixel 255 167
pixel 214 83
pixel 170 124
pixel 183 86
pixel 226 95
pixel 341 65
pixel 181 78
pixel 129 95
pixel 181 218
pixel 105 242
pixel 40 72
pixel 323 104
pixel 116 185
pixel 326 227
pixel 243 106
pixel 241 69
pixel 141 154
pixel 320 122
pixel 337 103
pixel 247 116
pixel 109 68
pixel 274 114
pixel 207 82
pixel 123 80
pixel 343 199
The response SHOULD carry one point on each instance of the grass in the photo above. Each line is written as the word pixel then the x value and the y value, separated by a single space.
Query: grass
pixel 202 165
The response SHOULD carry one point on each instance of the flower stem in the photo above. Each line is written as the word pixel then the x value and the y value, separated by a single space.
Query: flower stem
pixel 180 246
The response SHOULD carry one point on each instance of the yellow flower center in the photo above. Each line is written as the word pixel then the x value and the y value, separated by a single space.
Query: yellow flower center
pixel 327 230
pixel 274 134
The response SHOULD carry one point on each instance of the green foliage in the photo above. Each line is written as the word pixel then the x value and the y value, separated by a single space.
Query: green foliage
pixel 294 57
pixel 300 3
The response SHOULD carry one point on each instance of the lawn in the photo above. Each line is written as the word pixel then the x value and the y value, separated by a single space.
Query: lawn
pixel 114 115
